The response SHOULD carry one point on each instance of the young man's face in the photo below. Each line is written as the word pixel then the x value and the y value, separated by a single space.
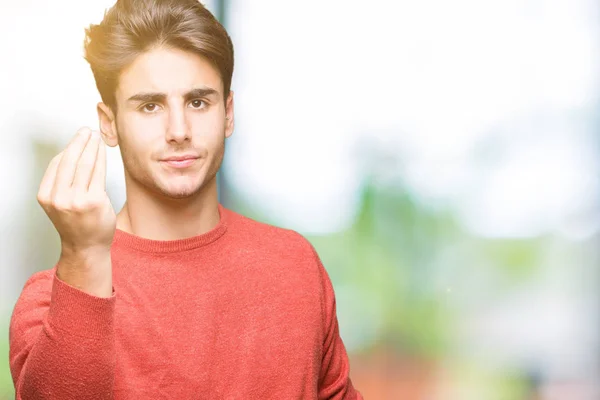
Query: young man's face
pixel 171 122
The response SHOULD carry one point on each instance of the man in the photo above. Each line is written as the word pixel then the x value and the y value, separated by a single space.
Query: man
pixel 174 297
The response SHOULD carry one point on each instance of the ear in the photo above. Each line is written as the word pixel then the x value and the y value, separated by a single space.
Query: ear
pixel 108 125
pixel 229 124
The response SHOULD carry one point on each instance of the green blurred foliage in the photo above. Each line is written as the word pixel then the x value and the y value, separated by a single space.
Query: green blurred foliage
pixel 398 254
pixel 6 384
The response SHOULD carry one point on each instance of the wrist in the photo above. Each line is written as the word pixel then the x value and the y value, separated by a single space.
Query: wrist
pixel 89 270
pixel 84 254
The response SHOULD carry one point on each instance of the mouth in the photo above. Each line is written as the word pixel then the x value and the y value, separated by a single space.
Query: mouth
pixel 180 161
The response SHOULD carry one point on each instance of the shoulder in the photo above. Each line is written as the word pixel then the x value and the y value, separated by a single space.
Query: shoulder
pixel 269 237
pixel 285 258
pixel 286 253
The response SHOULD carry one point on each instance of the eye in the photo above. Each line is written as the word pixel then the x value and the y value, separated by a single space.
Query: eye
pixel 197 103
pixel 150 107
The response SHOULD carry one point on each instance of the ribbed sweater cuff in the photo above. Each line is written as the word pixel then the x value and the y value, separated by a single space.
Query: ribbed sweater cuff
pixel 80 313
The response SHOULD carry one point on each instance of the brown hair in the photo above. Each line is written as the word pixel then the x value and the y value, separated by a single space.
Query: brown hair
pixel 132 27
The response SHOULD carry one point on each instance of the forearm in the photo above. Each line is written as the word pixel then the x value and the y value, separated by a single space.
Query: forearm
pixel 70 352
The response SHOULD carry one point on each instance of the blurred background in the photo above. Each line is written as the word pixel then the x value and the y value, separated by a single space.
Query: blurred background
pixel 442 156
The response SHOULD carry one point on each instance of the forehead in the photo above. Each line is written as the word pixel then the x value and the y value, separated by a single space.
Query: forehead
pixel 169 71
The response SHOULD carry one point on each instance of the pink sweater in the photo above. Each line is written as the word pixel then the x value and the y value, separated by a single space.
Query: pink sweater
pixel 245 311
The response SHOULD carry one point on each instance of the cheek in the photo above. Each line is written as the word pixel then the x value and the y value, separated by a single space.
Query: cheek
pixel 211 126
pixel 139 135
pixel 216 142
pixel 207 132
pixel 147 128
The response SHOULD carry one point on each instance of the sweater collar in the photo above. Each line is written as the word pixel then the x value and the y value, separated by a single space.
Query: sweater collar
pixel 173 246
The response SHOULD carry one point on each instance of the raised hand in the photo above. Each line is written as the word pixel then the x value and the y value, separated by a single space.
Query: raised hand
pixel 73 195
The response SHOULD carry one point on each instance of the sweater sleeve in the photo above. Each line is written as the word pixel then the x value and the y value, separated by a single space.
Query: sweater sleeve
pixel 61 342
pixel 334 380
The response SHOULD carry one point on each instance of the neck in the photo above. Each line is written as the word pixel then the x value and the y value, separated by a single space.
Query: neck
pixel 157 217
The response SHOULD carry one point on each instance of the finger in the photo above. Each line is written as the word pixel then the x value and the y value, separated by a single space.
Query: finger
pixel 68 162
pixel 45 190
pixel 98 181
pixel 85 165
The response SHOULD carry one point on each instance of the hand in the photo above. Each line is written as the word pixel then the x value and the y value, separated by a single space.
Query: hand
pixel 73 195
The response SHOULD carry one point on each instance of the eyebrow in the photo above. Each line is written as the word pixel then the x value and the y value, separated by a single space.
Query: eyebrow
pixel 149 97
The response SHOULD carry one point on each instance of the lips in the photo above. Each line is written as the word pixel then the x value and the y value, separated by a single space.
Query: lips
pixel 182 161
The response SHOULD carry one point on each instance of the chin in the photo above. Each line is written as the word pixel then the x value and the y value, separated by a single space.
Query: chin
pixel 181 192
pixel 179 195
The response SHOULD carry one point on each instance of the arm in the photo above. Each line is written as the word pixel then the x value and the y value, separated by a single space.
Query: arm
pixel 61 342
pixel 334 380
pixel 61 331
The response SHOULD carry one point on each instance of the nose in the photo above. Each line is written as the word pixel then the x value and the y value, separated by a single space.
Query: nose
pixel 178 130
